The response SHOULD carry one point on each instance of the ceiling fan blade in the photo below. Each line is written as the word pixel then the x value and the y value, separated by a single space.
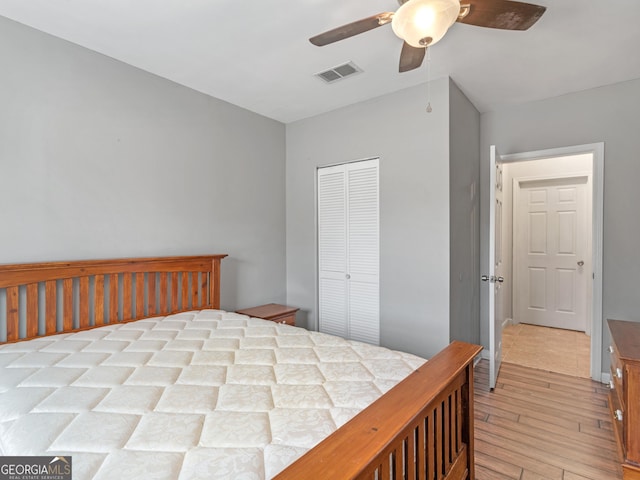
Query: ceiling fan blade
pixel 351 29
pixel 411 57
pixel 503 14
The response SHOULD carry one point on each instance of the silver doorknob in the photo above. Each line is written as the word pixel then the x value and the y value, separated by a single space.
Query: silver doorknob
pixel 500 279
pixel 485 278
pixel 581 263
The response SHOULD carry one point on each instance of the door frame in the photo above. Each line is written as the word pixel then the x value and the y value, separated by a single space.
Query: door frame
pixel 597 152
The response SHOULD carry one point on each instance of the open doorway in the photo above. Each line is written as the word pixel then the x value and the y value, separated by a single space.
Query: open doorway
pixel 552 252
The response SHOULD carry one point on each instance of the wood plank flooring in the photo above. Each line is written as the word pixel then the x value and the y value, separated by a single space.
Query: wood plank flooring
pixel 542 425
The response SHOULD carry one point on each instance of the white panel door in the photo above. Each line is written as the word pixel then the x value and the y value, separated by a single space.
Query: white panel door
pixel 495 278
pixel 332 250
pixel 348 256
pixel 363 252
pixel 552 261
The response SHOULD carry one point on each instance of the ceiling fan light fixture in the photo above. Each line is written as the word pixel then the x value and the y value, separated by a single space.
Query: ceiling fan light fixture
pixel 423 23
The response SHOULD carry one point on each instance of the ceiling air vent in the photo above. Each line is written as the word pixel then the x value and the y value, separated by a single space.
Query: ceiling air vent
pixel 338 73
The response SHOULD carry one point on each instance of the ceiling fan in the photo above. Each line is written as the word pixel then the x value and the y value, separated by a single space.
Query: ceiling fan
pixel 422 23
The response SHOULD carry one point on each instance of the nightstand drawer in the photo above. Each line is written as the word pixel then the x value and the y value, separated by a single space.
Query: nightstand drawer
pixel 287 319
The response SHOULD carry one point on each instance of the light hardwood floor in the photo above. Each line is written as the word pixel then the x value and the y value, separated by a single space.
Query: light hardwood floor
pixel 552 349
pixel 542 425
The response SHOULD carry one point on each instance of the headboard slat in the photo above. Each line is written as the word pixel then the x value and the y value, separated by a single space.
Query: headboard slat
pixel 185 291
pixel 88 293
pixel 139 294
pixel 13 318
pixel 164 287
pixel 113 298
pixel 214 284
pixel 195 289
pixel 84 320
pixel 32 310
pixel 99 300
pixel 151 295
pixel 126 294
pixel 174 292
pixel 67 303
pixel 203 287
pixel 50 302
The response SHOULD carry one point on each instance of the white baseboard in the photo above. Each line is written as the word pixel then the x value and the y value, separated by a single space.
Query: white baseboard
pixel 605 377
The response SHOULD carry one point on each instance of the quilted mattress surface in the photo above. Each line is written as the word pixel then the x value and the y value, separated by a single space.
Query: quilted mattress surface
pixel 205 394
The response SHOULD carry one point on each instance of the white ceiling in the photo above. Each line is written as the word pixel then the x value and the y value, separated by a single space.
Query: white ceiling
pixel 255 53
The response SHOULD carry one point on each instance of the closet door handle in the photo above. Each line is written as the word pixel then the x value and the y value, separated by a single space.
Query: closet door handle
pixel 347 276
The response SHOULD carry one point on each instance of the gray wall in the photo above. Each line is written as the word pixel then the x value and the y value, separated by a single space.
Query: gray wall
pixel 609 114
pixel 99 160
pixel 413 147
pixel 464 205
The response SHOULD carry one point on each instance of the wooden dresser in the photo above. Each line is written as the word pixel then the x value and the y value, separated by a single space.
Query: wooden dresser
pixel 624 396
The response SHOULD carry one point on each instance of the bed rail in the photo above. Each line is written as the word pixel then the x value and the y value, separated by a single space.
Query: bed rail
pixel 422 429
pixel 39 299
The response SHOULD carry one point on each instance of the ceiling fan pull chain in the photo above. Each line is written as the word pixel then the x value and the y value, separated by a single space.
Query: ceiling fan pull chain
pixel 429 109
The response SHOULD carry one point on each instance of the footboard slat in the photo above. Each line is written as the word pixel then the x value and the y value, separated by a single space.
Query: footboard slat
pixel 410 432
pixel 409 452
pixel 431 446
pixel 422 468
pixel 458 416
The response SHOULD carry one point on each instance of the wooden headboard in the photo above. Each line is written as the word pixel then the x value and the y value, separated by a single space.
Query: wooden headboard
pixel 40 299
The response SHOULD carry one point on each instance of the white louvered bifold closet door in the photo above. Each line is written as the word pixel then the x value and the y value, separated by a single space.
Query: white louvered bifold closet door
pixel 348 230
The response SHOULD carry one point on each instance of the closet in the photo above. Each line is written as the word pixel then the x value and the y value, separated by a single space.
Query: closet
pixel 348 250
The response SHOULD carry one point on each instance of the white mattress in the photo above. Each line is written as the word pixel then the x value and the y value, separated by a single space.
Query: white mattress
pixel 206 394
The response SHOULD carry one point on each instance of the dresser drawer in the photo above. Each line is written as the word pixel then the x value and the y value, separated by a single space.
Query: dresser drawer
pixel 617 418
pixel 617 373
pixel 625 392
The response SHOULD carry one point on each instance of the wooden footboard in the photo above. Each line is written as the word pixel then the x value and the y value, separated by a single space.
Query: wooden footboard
pixel 421 429
pixel 39 299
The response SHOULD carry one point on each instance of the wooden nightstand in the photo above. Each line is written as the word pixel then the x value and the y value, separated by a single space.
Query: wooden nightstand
pixel 272 311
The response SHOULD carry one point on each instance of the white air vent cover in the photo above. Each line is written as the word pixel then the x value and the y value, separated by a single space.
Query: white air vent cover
pixel 338 73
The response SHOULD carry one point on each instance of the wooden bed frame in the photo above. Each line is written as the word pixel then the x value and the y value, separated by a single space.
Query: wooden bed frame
pixel 421 429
